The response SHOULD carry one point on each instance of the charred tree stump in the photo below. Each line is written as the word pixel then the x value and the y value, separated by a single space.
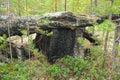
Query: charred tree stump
pixel 60 44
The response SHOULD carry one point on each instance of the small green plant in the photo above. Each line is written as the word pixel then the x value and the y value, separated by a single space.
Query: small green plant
pixel 80 40
pixel 107 25
pixel 22 70
pixel 24 32
pixel 14 71
pixel 44 32
pixel 3 42
pixel 117 47
pixel 69 68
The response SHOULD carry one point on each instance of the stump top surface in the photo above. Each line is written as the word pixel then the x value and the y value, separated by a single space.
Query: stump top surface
pixel 66 19
pixel 57 14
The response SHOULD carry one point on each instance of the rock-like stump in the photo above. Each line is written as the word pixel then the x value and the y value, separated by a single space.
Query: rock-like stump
pixel 59 44
pixel 57 33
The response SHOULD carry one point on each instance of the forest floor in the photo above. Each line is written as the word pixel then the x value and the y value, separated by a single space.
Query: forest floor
pixel 99 66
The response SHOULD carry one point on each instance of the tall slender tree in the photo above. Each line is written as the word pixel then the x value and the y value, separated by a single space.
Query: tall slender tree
pixel 9 20
pixel 19 9
pixel 65 7
pixel 95 2
pixel 107 33
pixel 55 3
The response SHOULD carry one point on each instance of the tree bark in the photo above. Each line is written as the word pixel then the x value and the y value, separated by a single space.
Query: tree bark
pixel 116 41
pixel 107 34
pixel 106 39
pixel 95 2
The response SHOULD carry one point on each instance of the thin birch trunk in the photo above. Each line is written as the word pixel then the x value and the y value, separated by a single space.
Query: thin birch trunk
pixel 107 35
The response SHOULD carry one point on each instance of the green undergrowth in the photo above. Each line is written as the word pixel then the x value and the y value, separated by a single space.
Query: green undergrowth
pixel 95 67
pixel 24 70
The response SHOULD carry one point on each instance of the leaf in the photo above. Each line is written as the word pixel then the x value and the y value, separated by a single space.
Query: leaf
pixel 24 32
pixel 80 40
pixel 49 34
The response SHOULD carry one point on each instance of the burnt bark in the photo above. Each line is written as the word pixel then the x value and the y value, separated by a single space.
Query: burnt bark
pixel 60 44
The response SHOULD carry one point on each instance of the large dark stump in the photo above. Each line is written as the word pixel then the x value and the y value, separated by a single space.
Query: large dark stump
pixel 60 44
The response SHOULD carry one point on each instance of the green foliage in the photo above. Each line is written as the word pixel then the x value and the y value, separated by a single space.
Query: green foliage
pixel 45 21
pixel 24 32
pixel 45 32
pixel 27 70
pixel 102 9
pixel 75 69
pixel 80 40
pixel 3 42
pixel 13 71
pixel 107 25
pixel 117 47
pixel 67 68
pixel 91 29
pixel 20 7
pixel 69 65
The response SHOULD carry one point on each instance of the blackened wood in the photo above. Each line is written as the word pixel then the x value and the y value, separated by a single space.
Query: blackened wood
pixel 60 44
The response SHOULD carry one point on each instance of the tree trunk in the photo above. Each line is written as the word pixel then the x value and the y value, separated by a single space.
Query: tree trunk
pixel 116 41
pixel 65 7
pixel 95 2
pixel 107 34
pixel 116 45
pixel 106 41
